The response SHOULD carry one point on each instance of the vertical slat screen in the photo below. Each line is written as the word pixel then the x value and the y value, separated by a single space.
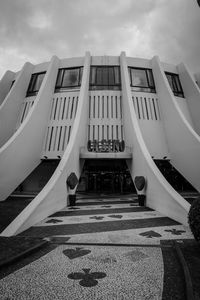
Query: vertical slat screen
pixel 26 107
pixel 146 107
pixel 105 115
pixel 62 114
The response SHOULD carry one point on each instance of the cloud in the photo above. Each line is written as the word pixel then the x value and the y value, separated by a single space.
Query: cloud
pixel 36 30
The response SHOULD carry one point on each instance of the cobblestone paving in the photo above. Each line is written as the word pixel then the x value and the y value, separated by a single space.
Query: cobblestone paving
pixel 81 271
pixel 89 272
pixel 116 223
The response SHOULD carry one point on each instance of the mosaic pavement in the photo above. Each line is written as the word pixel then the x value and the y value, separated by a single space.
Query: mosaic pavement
pixel 89 272
pixel 124 223
pixel 77 270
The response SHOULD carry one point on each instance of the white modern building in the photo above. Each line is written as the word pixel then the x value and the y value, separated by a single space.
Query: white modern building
pixel 108 119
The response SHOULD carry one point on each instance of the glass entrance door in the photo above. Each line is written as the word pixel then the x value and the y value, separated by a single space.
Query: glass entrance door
pixel 107 176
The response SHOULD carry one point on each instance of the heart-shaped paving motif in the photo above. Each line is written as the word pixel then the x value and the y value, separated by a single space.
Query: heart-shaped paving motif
pixel 59 239
pixel 150 234
pixel 53 221
pixel 116 216
pixel 97 218
pixel 77 252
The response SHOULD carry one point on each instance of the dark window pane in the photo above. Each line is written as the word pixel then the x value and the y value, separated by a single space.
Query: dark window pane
pixel 99 72
pixel 104 77
pixel 150 78
pixel 111 79
pixel 169 78
pixel 32 83
pixel 59 78
pixel 178 84
pixel 92 75
pixel 70 78
pixel 139 78
pixel 38 81
pixel 35 83
pixel 117 75
pixel 80 75
pixel 175 84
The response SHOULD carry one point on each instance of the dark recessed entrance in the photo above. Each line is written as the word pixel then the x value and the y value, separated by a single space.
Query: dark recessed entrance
pixel 106 176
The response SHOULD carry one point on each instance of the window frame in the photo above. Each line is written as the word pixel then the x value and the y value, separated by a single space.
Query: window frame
pixel 32 92
pixel 177 92
pixel 96 86
pixel 59 88
pixel 144 89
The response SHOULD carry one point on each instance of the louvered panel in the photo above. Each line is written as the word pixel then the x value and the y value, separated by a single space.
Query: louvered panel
pixel 26 106
pixel 105 116
pixel 146 106
pixel 62 114
pixel 150 108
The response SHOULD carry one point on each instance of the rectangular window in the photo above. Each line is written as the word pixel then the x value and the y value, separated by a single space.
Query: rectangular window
pixel 35 83
pixel 175 84
pixel 68 78
pixel 141 80
pixel 105 78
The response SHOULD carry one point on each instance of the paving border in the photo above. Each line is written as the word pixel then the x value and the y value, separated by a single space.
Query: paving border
pixel 187 276
pixel 111 245
pixel 16 257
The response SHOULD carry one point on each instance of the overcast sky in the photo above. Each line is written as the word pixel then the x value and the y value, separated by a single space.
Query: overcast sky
pixel 34 30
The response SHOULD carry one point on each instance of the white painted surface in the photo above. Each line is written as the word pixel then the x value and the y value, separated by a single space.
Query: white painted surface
pixel 139 136
pixel 192 94
pixel 10 108
pixel 197 79
pixel 21 154
pixel 62 115
pixel 146 106
pixel 105 116
pixel 160 195
pixel 105 60
pixel 54 195
pixel 183 142
pixel 183 105
pixel 5 84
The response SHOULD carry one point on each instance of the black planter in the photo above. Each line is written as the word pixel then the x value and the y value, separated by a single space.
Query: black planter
pixel 72 200
pixel 141 200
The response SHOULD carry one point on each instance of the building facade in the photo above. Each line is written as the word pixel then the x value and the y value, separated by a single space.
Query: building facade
pixel 108 119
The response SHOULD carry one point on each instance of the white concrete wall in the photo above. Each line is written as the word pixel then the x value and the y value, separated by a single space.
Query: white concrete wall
pixel 10 108
pixel 5 84
pixel 197 79
pixel 54 195
pixel 160 195
pixel 148 114
pixel 183 105
pixel 21 154
pixel 105 60
pixel 192 94
pixel 183 142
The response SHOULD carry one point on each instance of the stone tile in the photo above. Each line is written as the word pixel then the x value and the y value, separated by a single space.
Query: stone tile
pixel 132 236
pixel 93 218
pixel 112 210
pixel 81 228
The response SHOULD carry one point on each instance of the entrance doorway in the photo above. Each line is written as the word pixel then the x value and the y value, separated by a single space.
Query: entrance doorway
pixel 106 176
